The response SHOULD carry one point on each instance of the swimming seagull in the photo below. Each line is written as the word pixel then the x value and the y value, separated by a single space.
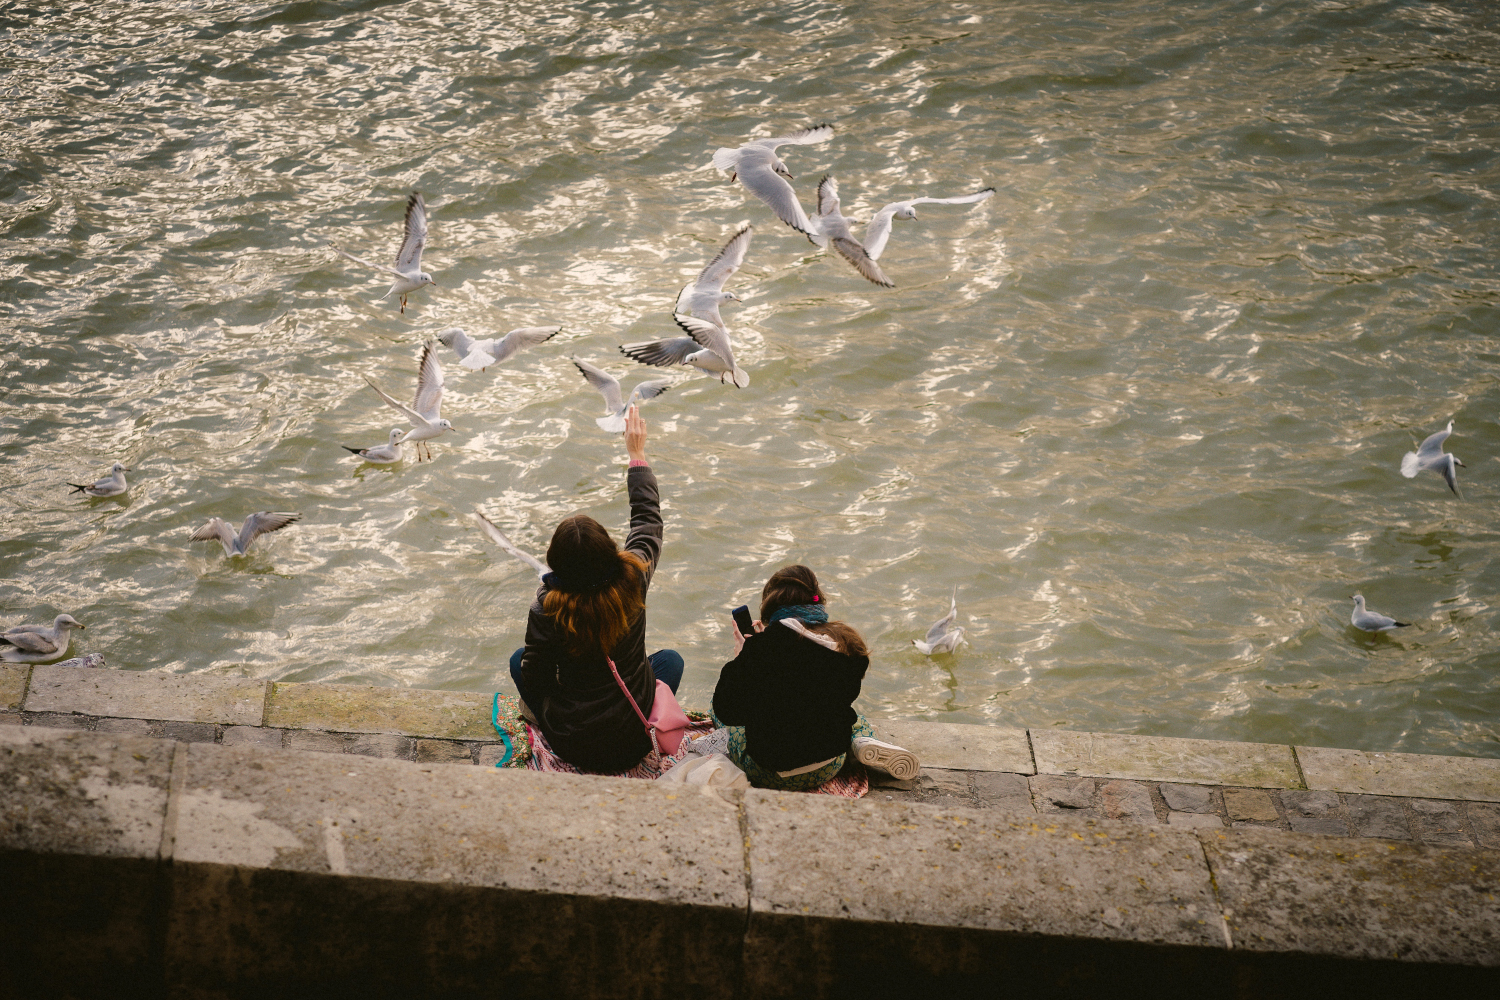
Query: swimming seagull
pixel 1370 621
pixel 477 355
pixel 493 532
pixel 111 485
pixel 703 296
pixel 262 523
pixel 381 454
pixel 425 411
pixel 761 171
pixel 706 347
pixel 832 227
pixel 38 643
pixel 408 269
pixel 943 636
pixel 609 387
pixel 1430 455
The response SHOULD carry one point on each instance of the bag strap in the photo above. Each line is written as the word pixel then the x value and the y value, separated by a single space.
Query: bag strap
pixel 628 696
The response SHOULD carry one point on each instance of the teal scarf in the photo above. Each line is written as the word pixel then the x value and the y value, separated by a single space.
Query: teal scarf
pixel 811 614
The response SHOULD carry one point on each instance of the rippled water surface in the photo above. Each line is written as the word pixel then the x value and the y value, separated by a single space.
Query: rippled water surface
pixel 1145 407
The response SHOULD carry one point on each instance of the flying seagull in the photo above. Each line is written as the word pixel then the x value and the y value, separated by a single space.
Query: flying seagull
pixel 1370 621
pixel 493 532
pixel 111 485
pixel 425 412
pixel 408 269
pixel 38 643
pixel 1430 455
pixel 833 228
pixel 609 387
pixel 477 355
pixel 263 523
pixel 706 347
pixel 764 175
pixel 943 636
pixel 381 454
pixel 703 296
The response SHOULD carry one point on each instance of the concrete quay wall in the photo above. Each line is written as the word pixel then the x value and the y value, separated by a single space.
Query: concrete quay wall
pixel 184 847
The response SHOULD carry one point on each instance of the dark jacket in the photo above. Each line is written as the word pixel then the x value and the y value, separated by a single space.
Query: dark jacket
pixel 794 697
pixel 581 709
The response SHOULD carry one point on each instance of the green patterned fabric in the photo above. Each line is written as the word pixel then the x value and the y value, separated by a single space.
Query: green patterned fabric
pixel 762 778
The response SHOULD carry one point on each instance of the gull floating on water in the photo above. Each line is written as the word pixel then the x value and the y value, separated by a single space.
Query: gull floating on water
pixel 1370 621
pixel 425 410
pixel 1430 455
pixel 477 355
pixel 111 485
pixel 262 523
pixel 408 269
pixel 38 643
pixel 832 227
pixel 943 636
pixel 493 532
pixel 703 296
pixel 706 347
pixel 761 171
pixel 609 387
pixel 381 454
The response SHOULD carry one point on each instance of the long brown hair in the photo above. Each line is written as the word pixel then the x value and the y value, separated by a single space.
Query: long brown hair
pixel 788 587
pixel 595 590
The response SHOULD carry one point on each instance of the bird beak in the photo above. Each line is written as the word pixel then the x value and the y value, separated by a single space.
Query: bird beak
pixel 127 470
pixel 1458 463
pixel 82 625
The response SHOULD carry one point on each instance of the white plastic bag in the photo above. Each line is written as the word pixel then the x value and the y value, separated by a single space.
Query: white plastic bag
pixel 715 770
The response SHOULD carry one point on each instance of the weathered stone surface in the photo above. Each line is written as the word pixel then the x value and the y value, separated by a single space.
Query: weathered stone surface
pixel 134 694
pixel 1438 823
pixel 68 792
pixel 236 736
pixel 1250 804
pixel 1188 798
pixel 124 727
pixel 1002 790
pixel 1161 758
pixel 822 856
pixel 352 708
pixel 960 747
pixel 1484 818
pixel 1377 816
pixel 1409 774
pixel 312 740
pixel 1314 812
pixel 381 745
pixel 13 685
pixel 940 785
pixel 1052 793
pixel 12 719
pixel 1127 800
pixel 190 732
pixel 1194 821
pixel 60 720
pixel 1357 898
pixel 491 754
pixel 445 752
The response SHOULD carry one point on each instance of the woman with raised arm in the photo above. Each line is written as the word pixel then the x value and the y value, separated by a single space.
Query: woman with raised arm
pixel 788 694
pixel 590 609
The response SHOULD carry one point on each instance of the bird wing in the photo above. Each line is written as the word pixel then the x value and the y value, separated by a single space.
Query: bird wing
pixel 806 137
pixel 879 229
pixel 863 263
pixel 650 390
pixel 216 530
pixel 366 263
pixel 1450 473
pixel 725 262
pixel 415 238
pixel 429 399
pixel 940 627
pixel 263 523
pixel 526 336
pixel 770 187
pixel 1433 446
pixel 493 532
pixel 607 385
pixel 32 642
pixel 828 195
pixel 412 415
pixel 661 353
pixel 961 199
pixel 461 342
pixel 707 335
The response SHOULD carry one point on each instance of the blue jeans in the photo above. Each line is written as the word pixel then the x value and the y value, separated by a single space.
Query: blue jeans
pixel 666 664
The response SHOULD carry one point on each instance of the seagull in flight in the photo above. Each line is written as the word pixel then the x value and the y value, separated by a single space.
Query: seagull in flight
pixel 609 387
pixel 1370 621
pixel 425 411
pixel 833 228
pixel 757 166
pixel 477 355
pixel 262 523
pixel 408 269
pixel 703 296
pixel 1430 455
pixel 381 454
pixel 111 485
pixel 493 532
pixel 38 643
pixel 943 636
pixel 706 347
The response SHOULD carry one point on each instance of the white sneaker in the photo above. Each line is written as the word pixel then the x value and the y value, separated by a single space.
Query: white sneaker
pixel 898 762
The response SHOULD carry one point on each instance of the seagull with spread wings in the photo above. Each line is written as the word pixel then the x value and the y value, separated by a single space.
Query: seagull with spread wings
pixel 425 412
pixel 477 355
pixel 237 543
pixel 706 347
pixel 703 297
pixel 1430 455
pixel 493 533
pixel 757 166
pixel 943 636
pixel 831 227
pixel 609 387
pixel 408 269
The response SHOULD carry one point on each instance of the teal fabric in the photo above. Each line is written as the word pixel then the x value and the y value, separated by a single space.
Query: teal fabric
pixel 812 614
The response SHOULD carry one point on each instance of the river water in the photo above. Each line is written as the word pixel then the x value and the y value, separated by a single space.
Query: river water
pixel 1144 408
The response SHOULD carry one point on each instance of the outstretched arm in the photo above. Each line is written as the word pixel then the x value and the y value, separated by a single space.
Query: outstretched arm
pixel 645 502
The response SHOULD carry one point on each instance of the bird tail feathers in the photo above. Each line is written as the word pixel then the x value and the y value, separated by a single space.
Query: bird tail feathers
pixel 77 488
pixel 1409 465
pixel 922 647
pixel 614 423
pixel 741 378
pixel 726 158
pixel 476 360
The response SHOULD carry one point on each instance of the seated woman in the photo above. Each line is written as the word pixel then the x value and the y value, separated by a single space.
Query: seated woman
pixel 590 609
pixel 788 694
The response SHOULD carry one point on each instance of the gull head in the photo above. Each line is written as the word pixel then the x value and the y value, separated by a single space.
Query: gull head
pixel 1359 601
pixel 119 467
pixel 445 425
pixel 781 169
pixel 909 212
pixel 425 278
pixel 729 297
pixel 396 433
pixel 66 621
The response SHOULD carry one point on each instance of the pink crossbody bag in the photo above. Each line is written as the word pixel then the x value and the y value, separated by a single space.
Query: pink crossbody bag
pixel 667 724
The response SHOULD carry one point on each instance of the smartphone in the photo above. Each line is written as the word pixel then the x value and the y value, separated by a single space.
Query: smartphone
pixel 742 620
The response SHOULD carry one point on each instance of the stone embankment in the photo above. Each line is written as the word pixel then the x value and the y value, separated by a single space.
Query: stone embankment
pixel 182 835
